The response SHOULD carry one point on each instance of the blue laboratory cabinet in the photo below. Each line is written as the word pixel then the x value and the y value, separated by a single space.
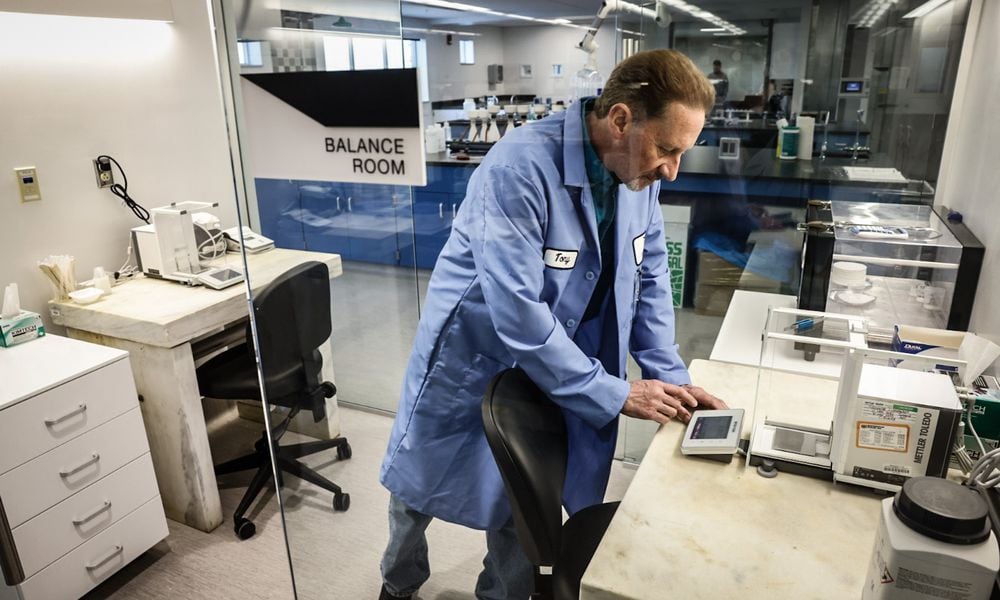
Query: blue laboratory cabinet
pixel 384 224
pixel 363 222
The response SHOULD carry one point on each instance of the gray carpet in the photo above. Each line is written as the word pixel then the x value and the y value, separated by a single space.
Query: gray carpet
pixel 335 555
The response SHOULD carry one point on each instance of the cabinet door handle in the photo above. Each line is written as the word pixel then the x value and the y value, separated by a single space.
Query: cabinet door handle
pixel 89 516
pixel 349 209
pixel 454 210
pixel 79 409
pixel 93 458
pixel 441 210
pixel 338 202
pixel 108 556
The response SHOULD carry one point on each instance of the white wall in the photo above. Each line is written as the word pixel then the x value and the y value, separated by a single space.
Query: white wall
pixel 538 46
pixel 543 46
pixel 787 51
pixel 146 93
pixel 969 176
pixel 448 79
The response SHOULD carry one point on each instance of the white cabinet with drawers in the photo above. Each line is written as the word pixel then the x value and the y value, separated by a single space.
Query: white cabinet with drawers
pixel 78 497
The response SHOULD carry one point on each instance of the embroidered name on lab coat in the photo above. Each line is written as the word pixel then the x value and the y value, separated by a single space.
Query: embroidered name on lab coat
pixel 560 259
pixel 638 246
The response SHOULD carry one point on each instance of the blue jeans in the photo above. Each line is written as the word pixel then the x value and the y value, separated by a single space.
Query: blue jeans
pixel 507 573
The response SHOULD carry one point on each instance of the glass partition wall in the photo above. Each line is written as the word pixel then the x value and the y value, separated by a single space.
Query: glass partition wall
pixel 816 100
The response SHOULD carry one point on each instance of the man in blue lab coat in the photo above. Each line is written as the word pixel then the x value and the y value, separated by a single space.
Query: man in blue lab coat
pixel 557 264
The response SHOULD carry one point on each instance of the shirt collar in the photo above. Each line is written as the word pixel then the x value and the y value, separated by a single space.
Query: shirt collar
pixel 597 174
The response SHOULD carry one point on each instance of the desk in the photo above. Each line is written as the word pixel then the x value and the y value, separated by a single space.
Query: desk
pixel 692 528
pixel 165 326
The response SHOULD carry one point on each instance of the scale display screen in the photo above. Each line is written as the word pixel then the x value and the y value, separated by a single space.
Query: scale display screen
pixel 712 428
pixel 224 274
pixel 851 87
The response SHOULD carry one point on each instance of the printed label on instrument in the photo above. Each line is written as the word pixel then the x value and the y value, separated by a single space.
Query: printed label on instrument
pixel 883 436
pixel 897 470
pixel 560 259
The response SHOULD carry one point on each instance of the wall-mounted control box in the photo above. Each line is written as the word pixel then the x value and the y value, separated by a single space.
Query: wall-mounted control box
pixel 27 182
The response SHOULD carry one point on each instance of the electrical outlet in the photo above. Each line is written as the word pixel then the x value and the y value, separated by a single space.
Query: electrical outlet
pixel 27 182
pixel 102 170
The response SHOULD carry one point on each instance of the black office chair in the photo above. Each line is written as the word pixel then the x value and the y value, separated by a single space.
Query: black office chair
pixel 293 318
pixel 527 434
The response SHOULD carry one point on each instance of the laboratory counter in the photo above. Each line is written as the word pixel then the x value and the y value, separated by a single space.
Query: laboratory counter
pixel 765 174
pixel 695 528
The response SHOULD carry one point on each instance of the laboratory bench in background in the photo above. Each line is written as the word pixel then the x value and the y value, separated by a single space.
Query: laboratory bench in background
pixel 736 206
pixel 757 133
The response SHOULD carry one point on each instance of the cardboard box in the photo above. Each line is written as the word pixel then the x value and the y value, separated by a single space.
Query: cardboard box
pixel 718 279
pixel 925 341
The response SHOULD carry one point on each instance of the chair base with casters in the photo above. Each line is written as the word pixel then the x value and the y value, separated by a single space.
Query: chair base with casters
pixel 286 457
pixel 527 434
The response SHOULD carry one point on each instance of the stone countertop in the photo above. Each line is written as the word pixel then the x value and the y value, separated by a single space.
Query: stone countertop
pixel 166 313
pixel 693 528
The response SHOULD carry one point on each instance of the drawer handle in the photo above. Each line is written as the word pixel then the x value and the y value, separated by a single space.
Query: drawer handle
pixel 93 458
pixel 441 210
pixel 454 208
pixel 349 208
pixel 101 561
pixel 90 516
pixel 82 407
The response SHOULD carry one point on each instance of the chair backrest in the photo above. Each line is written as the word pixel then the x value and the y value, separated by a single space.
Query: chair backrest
pixel 292 315
pixel 527 434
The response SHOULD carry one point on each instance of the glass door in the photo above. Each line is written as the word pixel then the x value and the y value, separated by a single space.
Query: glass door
pixel 329 419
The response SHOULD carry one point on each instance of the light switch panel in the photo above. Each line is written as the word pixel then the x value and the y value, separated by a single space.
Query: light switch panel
pixel 27 182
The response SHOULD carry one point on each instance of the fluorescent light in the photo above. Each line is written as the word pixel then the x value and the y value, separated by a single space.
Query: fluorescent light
pixel 704 15
pixel 441 31
pixel 712 29
pixel 459 6
pixel 924 9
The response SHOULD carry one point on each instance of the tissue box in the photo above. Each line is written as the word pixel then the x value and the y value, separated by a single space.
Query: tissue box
pixel 926 341
pixel 21 328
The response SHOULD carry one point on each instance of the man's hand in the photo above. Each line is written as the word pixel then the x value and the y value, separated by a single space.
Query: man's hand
pixel 705 400
pixel 654 400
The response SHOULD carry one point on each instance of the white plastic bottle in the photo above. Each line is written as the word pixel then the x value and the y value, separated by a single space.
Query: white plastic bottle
pixel 493 132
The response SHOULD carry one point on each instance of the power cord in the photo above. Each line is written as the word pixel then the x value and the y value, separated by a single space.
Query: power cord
pixel 213 247
pixel 121 190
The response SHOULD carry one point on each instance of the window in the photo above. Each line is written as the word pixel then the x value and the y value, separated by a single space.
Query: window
pixel 250 54
pixel 369 53
pixel 337 53
pixel 466 52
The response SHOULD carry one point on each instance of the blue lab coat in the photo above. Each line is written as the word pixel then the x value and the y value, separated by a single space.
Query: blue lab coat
pixel 509 289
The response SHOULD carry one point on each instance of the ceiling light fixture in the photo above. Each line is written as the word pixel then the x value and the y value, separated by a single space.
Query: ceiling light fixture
pixel 441 31
pixel 708 29
pixel 678 4
pixel 925 9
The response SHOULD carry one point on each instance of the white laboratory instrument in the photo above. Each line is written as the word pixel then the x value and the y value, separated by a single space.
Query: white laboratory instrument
pixel 253 242
pixel 713 434
pixel 934 540
pixel 219 277
pixel 168 247
pixel 873 425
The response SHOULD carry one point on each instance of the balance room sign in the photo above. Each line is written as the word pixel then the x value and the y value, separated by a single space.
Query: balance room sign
pixel 353 126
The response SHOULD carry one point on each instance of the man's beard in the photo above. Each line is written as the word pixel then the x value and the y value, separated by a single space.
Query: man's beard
pixel 640 183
